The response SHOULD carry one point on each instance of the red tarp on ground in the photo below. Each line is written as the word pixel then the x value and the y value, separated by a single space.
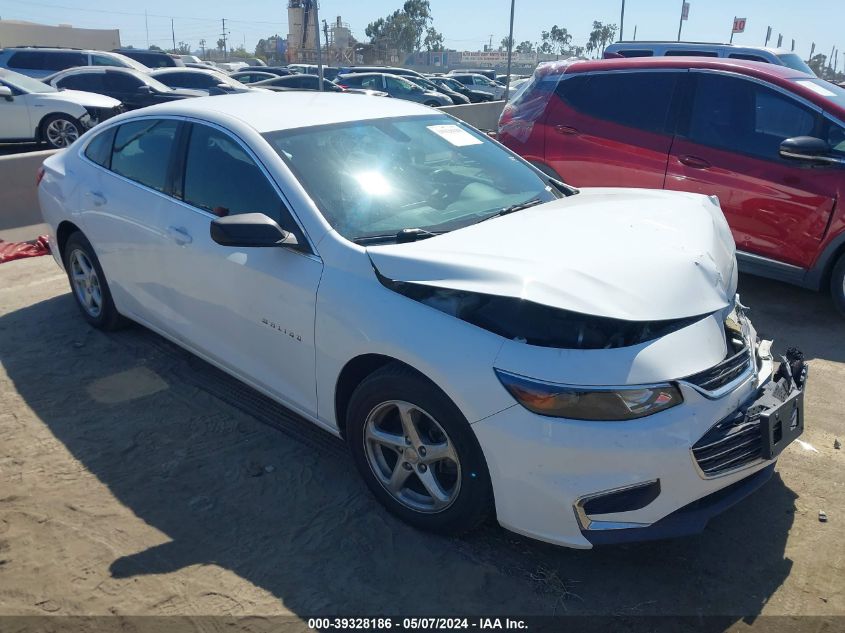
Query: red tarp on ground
pixel 19 250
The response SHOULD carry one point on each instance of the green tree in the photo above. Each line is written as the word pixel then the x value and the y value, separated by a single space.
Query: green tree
pixel 153 47
pixel 525 47
pixel 183 48
pixel 600 37
pixel 560 39
pixel 818 63
pixel 546 46
pixel 404 28
pixel 221 45
pixel 433 40
pixel 507 41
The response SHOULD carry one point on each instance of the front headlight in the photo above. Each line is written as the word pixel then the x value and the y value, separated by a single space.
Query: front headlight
pixel 589 403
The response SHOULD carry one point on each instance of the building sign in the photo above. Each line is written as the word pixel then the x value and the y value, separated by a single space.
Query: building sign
pixel 685 11
pixel 493 58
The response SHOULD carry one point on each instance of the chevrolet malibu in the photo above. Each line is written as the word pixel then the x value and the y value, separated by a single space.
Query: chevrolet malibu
pixel 488 340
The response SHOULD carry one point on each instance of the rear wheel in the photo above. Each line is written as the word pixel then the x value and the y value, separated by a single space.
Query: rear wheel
pixel 88 284
pixel 60 130
pixel 837 284
pixel 417 453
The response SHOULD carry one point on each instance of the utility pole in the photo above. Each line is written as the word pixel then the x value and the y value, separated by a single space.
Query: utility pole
pixel 768 36
pixel 830 59
pixel 326 34
pixel 314 7
pixel 681 21
pixel 622 23
pixel 510 53
pixel 173 34
pixel 490 45
pixel 225 45
pixel 635 32
pixel 202 47
pixel 147 27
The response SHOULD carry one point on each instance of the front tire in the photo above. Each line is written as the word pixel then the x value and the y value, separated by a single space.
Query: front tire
pixel 417 453
pixel 837 284
pixel 88 284
pixel 60 130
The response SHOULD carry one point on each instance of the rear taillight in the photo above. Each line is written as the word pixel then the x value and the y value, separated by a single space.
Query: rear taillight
pixel 343 86
pixel 39 175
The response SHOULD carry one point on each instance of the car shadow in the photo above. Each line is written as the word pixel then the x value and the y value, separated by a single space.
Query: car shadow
pixel 794 316
pixel 287 512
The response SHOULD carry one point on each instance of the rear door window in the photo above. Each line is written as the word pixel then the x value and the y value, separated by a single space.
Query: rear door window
pixel 639 100
pixel 64 59
pixel 89 82
pixel 142 151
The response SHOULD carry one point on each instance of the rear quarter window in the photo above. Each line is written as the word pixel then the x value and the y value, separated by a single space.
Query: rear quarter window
pixel 100 148
pixel 691 53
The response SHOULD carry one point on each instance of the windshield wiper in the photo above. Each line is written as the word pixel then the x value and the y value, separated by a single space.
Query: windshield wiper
pixel 402 237
pixel 533 202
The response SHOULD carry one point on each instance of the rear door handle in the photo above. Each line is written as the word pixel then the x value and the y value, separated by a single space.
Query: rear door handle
pixel 694 161
pixel 179 235
pixel 97 198
pixel 566 129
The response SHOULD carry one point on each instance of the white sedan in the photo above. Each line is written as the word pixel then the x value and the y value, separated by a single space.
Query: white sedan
pixel 487 340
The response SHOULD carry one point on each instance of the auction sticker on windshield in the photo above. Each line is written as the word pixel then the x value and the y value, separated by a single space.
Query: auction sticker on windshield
pixel 455 135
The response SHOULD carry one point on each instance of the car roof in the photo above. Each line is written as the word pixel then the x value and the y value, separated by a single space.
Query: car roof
pixel 672 44
pixel 759 69
pixel 271 111
pixel 183 69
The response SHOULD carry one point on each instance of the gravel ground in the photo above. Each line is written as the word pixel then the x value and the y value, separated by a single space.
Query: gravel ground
pixel 137 480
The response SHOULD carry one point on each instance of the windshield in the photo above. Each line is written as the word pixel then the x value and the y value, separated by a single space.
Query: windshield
pixel 795 63
pixel 375 178
pixel 24 83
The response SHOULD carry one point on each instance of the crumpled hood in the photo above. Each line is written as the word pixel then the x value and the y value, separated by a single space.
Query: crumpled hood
pixel 632 254
pixel 80 97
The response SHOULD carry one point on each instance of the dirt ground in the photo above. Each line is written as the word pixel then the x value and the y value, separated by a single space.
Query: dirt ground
pixel 135 479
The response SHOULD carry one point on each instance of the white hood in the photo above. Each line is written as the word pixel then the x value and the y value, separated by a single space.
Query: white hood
pixel 632 254
pixel 79 97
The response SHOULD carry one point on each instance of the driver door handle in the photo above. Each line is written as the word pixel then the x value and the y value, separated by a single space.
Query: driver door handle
pixel 179 235
pixel 694 161
pixel 566 129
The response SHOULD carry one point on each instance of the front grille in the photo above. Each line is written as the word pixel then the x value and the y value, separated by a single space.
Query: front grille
pixel 734 442
pixel 101 114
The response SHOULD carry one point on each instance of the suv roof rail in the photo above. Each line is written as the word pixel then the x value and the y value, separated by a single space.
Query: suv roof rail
pixel 63 48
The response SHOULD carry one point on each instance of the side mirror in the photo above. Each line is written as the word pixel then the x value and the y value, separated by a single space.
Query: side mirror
pixel 809 148
pixel 253 230
pixel 6 93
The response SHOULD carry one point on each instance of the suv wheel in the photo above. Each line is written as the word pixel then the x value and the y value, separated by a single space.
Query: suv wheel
pixel 417 453
pixel 837 284
pixel 60 130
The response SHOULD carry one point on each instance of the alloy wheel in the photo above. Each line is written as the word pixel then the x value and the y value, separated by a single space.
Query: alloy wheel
pixel 86 283
pixel 61 133
pixel 411 455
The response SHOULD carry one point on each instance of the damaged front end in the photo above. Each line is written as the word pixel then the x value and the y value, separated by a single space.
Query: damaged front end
pixel 536 324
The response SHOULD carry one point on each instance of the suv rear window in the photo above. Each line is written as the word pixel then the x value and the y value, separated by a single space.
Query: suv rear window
pixel 636 53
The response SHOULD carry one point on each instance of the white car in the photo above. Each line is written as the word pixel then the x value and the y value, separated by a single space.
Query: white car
pixel 31 110
pixel 487 340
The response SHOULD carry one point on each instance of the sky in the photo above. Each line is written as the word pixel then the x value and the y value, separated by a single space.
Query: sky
pixel 465 24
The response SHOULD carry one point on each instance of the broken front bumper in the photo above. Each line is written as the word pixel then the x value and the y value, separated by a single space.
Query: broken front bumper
pixel 580 483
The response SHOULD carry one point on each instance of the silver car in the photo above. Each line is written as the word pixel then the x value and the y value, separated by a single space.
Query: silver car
pixel 395 86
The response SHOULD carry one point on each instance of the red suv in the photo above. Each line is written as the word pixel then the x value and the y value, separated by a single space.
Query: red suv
pixel 767 140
